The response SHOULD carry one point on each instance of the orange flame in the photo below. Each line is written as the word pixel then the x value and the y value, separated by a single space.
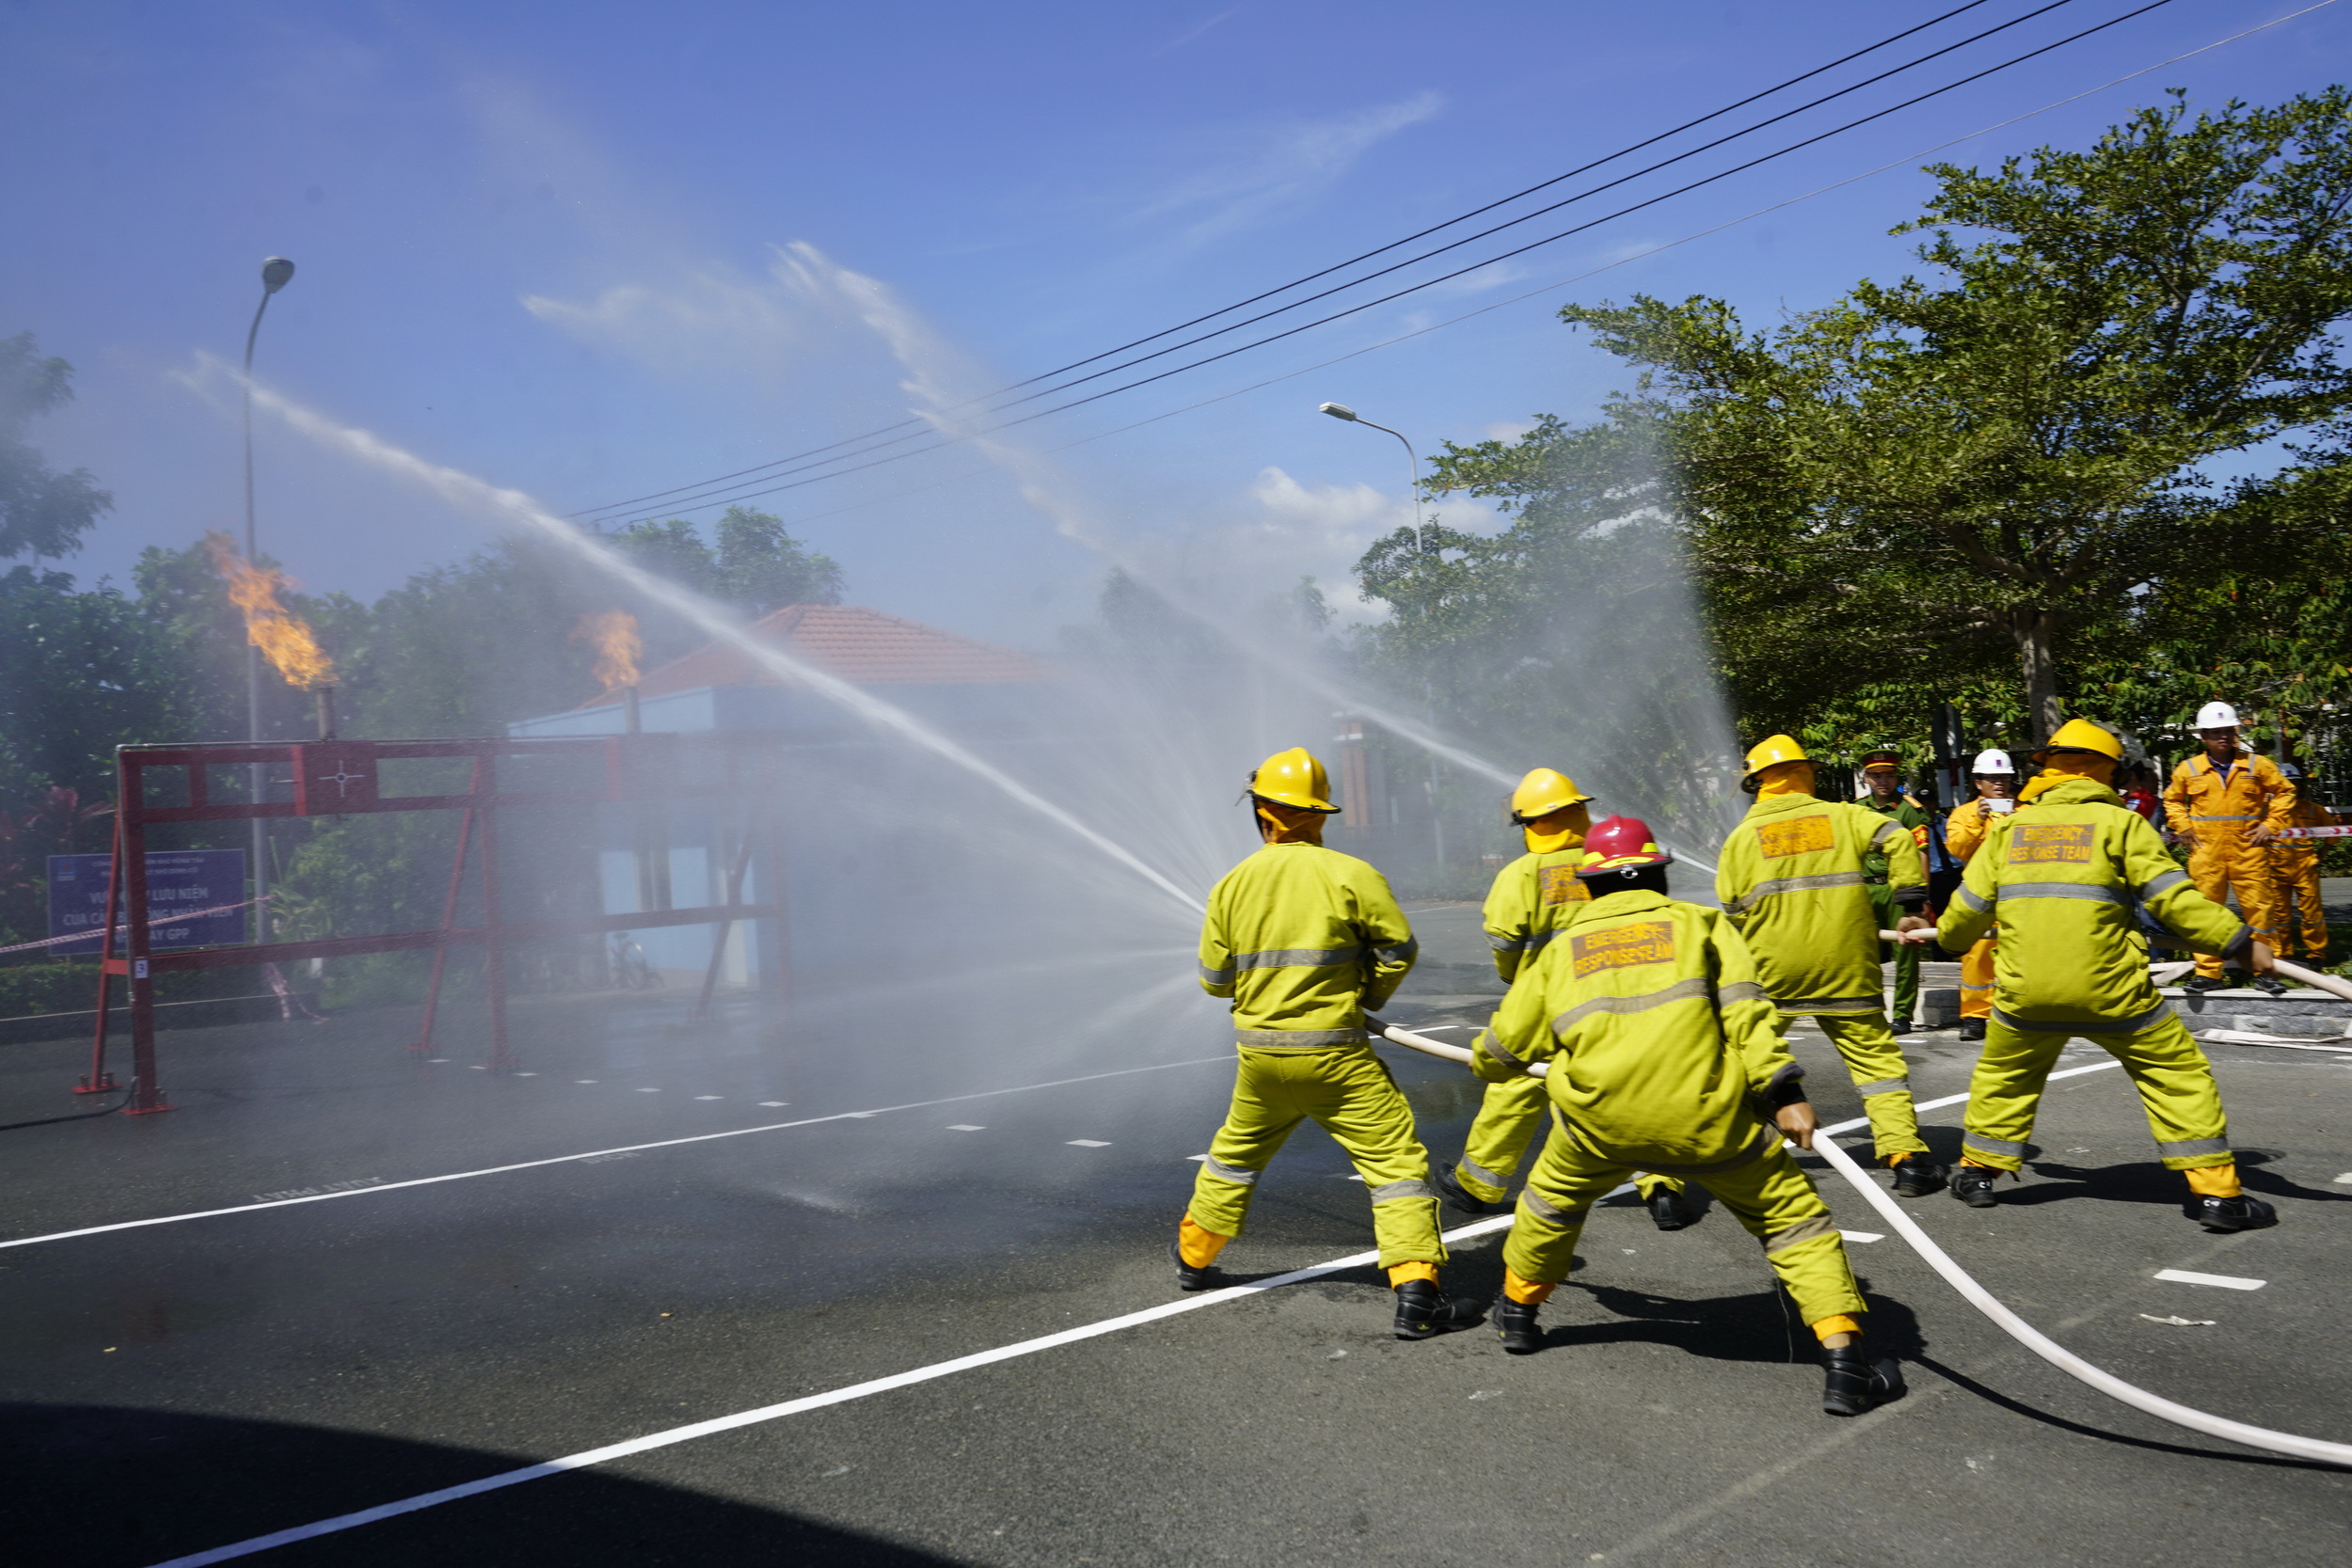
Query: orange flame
pixel 614 634
pixel 285 640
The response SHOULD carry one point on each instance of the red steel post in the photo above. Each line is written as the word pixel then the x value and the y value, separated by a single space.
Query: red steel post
pixel 493 933
pixel 100 1080
pixel 145 1098
pixel 449 912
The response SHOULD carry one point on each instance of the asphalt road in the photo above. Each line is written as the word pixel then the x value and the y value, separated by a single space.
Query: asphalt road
pixel 173 1387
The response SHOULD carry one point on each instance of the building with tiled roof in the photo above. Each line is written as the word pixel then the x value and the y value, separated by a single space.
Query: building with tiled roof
pixel 862 646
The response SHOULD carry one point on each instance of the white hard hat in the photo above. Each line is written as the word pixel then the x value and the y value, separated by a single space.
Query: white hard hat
pixel 2216 716
pixel 1992 762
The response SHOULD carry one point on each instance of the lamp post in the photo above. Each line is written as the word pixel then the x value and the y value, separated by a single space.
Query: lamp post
pixel 1421 537
pixel 276 273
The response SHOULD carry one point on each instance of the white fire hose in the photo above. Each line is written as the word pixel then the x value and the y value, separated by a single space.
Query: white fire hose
pixel 2332 984
pixel 1983 1301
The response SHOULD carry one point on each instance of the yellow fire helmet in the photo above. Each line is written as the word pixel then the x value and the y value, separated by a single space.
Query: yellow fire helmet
pixel 1293 779
pixel 2081 735
pixel 1772 750
pixel 1542 792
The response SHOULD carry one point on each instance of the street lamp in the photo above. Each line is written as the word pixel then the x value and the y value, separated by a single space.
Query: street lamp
pixel 276 273
pixel 1421 536
pixel 1412 470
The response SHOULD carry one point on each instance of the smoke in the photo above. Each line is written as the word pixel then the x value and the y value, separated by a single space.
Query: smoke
pixel 948 395
pixel 476 495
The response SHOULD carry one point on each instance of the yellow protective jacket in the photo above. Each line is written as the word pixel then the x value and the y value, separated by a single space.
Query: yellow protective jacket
pixel 2297 852
pixel 2204 804
pixel 1303 939
pixel 1532 898
pixel 1792 878
pixel 2066 877
pixel 1659 1037
pixel 1965 829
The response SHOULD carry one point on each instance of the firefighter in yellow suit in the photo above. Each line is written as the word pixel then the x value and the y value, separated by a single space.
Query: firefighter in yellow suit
pixel 2064 875
pixel 1995 777
pixel 1531 899
pixel 2227 802
pixel 2295 874
pixel 1660 1052
pixel 1305 940
pixel 1791 878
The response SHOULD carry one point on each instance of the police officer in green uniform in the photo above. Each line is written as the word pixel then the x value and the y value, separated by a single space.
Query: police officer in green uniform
pixel 1882 770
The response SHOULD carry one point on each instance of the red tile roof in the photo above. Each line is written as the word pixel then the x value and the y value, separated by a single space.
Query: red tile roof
pixel 860 645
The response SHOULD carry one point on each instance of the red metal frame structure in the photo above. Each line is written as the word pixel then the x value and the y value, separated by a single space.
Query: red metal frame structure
pixel 339 778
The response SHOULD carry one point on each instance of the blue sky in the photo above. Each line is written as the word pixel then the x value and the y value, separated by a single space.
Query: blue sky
pixel 555 245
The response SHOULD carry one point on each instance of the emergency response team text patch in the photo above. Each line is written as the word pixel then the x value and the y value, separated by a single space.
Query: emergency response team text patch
pixel 2048 842
pixel 1647 942
pixel 1560 884
pixel 1801 836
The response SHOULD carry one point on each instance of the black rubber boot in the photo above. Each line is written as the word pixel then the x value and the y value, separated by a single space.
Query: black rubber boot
pixel 1972 1028
pixel 1972 1185
pixel 2269 984
pixel 2196 984
pixel 1855 1383
pixel 1515 1321
pixel 1917 1177
pixel 1668 1211
pixel 1424 1312
pixel 1458 1196
pixel 2231 1213
pixel 1188 1277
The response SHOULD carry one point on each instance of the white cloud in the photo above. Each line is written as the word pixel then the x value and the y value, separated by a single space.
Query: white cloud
pixel 1506 430
pixel 1288 163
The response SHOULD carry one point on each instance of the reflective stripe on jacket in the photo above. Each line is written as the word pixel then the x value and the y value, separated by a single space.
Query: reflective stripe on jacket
pixel 1791 878
pixel 2066 877
pixel 1303 939
pixel 1649 1012
pixel 1532 898
pixel 2202 802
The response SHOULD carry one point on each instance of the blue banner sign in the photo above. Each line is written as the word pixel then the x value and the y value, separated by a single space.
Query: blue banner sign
pixel 178 881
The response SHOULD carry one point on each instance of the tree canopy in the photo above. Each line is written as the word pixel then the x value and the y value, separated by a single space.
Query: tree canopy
pixel 41 512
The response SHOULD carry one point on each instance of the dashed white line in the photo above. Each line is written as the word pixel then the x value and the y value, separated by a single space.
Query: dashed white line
pixel 2226 1281
pixel 710 1097
pixel 587 1080
pixel 648 1091
pixel 1226 1058
pixel 1864 1235
pixel 1088 1143
pixel 774 1104
pixel 964 1127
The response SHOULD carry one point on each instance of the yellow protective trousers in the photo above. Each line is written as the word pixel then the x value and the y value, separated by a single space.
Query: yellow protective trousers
pixel 1879 1074
pixel 1505 1125
pixel 2223 863
pixel 2295 893
pixel 1975 977
pixel 1768 1195
pixel 1350 1094
pixel 2175 1081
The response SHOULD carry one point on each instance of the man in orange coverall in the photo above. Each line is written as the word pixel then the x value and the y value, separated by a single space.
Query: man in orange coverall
pixel 2227 802
pixel 2294 873
pixel 1963 835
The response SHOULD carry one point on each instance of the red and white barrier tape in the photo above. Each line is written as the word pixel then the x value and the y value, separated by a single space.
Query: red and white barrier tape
pixel 124 930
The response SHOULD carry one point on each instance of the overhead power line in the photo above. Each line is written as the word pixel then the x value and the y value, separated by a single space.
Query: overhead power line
pixel 1909 160
pixel 834 472
pixel 1337 267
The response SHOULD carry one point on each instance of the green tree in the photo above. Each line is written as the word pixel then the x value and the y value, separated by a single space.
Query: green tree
pixel 756 566
pixel 41 512
pixel 2006 458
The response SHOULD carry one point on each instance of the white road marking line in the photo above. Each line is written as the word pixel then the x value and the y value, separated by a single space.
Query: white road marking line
pixel 710 1097
pixel 1196 1156
pixel 481 1067
pixel 774 1104
pixel 586 1080
pixel 1864 1235
pixel 593 1153
pixel 438 1060
pixel 2346 1179
pixel 1088 1143
pixel 648 1091
pixel 2226 1281
pixel 794 1407
pixel 964 1127
pixel 526 1075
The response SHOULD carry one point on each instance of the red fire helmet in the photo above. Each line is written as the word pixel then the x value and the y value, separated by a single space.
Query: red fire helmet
pixel 1621 844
